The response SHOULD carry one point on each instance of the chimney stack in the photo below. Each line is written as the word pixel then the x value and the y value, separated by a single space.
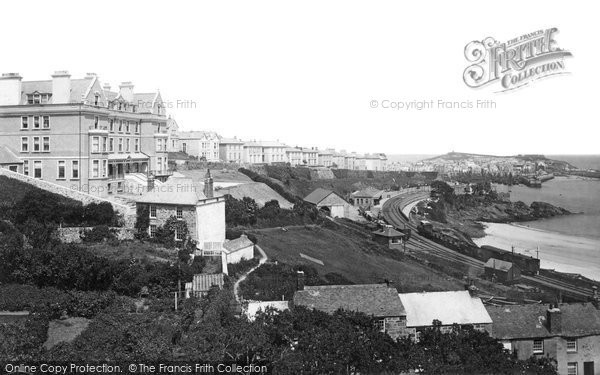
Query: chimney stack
pixel 301 280
pixel 126 91
pixel 106 87
pixel 208 185
pixel 61 87
pixel 554 319
pixel 10 89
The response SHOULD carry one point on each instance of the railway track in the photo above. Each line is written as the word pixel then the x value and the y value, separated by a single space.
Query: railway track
pixel 392 213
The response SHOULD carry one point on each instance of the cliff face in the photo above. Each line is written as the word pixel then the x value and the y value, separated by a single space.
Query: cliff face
pixel 466 212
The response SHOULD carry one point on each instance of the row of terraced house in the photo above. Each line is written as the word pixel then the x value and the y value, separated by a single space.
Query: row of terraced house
pixel 210 146
pixel 82 135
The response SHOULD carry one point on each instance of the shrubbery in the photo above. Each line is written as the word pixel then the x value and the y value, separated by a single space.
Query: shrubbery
pixel 73 267
pixel 272 281
pixel 247 213
pixel 98 234
pixel 53 302
pixel 48 208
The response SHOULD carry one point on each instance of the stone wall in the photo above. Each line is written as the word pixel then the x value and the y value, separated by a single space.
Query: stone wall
pixel 165 211
pixel 73 234
pixel 65 192
pixel 84 198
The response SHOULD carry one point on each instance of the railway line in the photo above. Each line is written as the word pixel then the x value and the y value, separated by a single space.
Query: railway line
pixel 392 213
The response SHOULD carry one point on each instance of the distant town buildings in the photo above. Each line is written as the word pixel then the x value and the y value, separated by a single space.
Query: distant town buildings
pixel 231 150
pixel 202 144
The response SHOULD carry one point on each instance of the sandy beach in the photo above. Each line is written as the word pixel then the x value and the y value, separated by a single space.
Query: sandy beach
pixel 562 252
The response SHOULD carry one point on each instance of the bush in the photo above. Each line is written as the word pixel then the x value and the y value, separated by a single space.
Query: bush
pixel 142 222
pixel 98 233
pixel 45 207
pixel 53 302
pixel 238 269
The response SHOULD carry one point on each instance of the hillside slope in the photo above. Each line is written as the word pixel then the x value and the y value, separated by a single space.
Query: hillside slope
pixel 258 191
pixel 349 253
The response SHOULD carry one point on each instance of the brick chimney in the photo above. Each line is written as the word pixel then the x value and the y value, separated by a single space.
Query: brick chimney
pixel 554 319
pixel 10 89
pixel 126 91
pixel 61 87
pixel 208 185
pixel 300 280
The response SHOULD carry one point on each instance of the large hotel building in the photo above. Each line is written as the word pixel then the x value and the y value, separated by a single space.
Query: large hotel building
pixel 80 134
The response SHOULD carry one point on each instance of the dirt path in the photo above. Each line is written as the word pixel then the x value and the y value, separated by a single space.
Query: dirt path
pixel 236 286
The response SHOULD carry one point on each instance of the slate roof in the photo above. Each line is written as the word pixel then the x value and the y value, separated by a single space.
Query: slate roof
pixel 199 135
pixel 378 300
pixel 9 156
pixel 448 307
pixel 238 244
pixel 318 195
pixel 529 321
pixel 226 141
pixel 388 232
pixel 78 88
pixel 145 101
pixel 177 191
pixel 368 193
pixel 500 265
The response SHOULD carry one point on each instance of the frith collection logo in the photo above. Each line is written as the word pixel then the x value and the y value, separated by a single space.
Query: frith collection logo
pixel 514 63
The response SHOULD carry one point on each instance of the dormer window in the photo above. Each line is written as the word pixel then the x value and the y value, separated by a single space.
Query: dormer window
pixel 37 98
pixel 120 106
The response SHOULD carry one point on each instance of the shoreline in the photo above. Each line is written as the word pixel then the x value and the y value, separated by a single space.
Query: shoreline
pixel 558 251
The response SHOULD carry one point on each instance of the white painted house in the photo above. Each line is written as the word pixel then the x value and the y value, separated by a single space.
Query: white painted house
pixel 234 251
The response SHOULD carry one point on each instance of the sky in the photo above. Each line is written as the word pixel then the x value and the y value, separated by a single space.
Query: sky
pixel 306 73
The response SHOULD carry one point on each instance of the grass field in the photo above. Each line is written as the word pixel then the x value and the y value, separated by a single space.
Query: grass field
pixel 258 191
pixel 352 254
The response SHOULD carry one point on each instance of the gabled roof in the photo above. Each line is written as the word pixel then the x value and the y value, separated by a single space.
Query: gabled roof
pixel 266 144
pixel 388 232
pixel 199 135
pixel 78 88
pixel 448 307
pixel 498 264
pixel 178 191
pixel 146 101
pixel 529 321
pixel 368 193
pixel 226 141
pixel 378 300
pixel 9 156
pixel 318 195
pixel 238 244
